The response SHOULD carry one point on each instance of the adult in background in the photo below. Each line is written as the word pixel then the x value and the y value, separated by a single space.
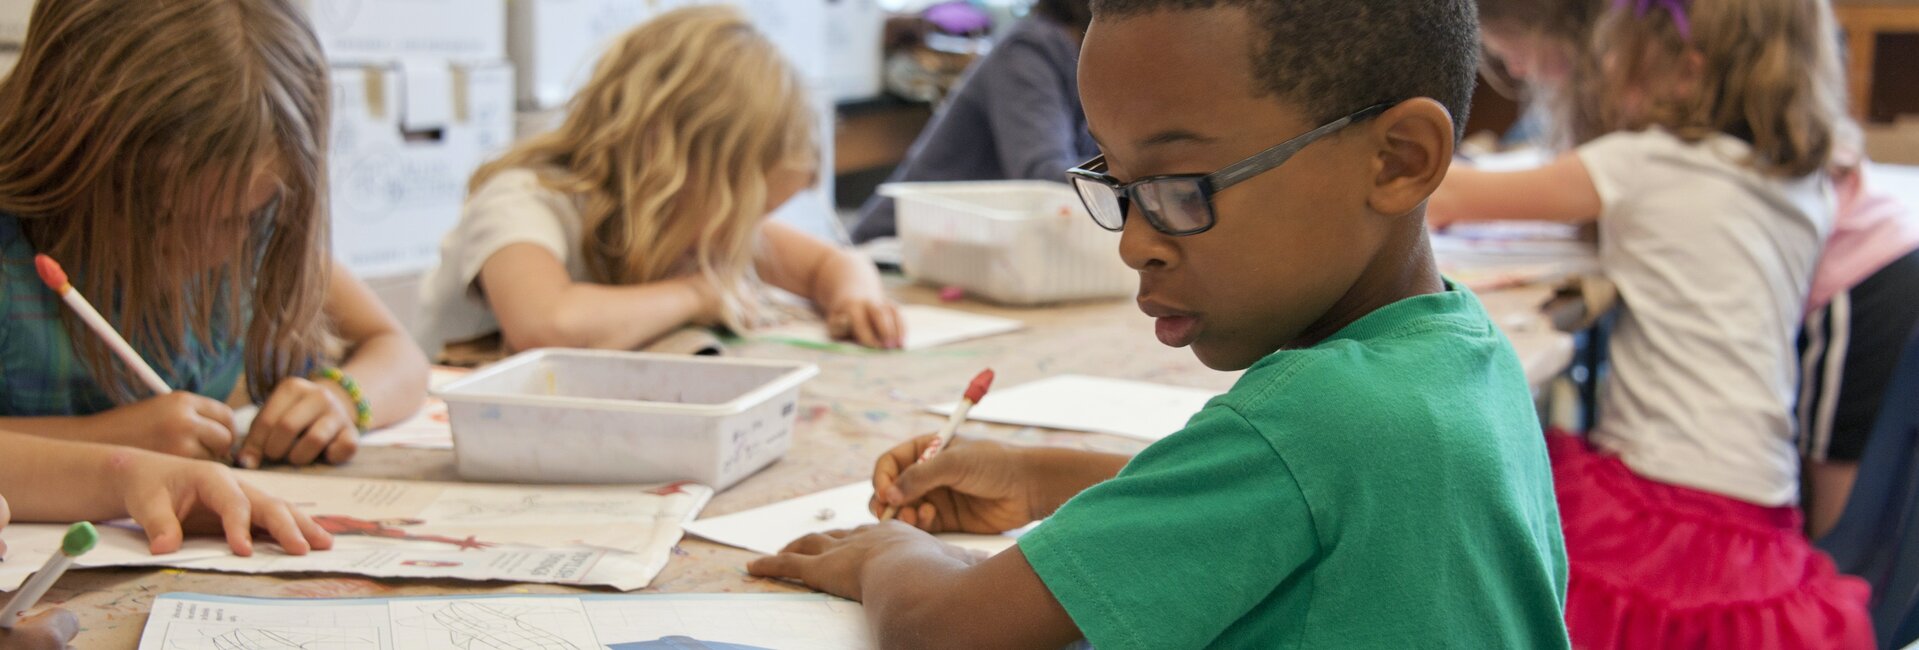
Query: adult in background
pixel 1015 116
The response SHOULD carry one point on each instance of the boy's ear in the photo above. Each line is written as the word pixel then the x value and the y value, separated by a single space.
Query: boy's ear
pixel 1414 147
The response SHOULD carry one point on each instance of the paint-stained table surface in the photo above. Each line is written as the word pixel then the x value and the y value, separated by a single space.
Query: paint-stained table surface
pixel 859 406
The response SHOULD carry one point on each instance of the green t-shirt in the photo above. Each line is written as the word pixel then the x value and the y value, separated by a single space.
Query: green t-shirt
pixel 1386 488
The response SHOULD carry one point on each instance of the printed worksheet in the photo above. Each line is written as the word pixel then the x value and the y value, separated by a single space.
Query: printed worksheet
pixel 185 621
pixel 1095 404
pixel 769 528
pixel 926 327
pixel 617 536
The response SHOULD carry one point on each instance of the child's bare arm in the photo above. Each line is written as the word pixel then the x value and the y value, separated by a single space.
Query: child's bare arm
pixel 306 419
pixel 388 365
pixel 922 593
pixel 844 284
pixel 1560 191
pixel 59 481
pixel 178 423
pixel 539 305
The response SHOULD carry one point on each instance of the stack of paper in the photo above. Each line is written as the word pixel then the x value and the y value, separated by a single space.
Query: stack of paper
pixel 1500 254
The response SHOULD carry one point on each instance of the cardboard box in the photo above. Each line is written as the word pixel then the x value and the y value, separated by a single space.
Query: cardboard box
pixel 1895 143
pixel 13 21
pixel 375 32
pixel 855 31
pixel 405 141
pixel 555 43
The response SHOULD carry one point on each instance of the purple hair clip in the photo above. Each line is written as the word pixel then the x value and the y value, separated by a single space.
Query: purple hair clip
pixel 1675 7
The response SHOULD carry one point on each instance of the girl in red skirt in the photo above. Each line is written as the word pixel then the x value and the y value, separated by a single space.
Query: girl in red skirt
pixel 1710 192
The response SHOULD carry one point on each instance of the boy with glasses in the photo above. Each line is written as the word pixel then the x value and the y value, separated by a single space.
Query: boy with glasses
pixel 1377 478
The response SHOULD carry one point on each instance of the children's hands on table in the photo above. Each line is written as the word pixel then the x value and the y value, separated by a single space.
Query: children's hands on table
pixel 869 320
pixel 48 630
pixel 835 561
pixel 179 423
pixel 169 496
pixel 301 422
pixel 972 486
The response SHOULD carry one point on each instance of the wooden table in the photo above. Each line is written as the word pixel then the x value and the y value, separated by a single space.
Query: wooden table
pixel 859 406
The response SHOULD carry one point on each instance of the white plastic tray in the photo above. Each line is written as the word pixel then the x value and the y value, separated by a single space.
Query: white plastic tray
pixel 585 416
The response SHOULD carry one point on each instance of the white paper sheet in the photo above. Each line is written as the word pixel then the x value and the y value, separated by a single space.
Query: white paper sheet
pixel 378 558
pixel 767 529
pixel 183 621
pixel 926 327
pixel 29 546
pixel 611 536
pixel 1095 404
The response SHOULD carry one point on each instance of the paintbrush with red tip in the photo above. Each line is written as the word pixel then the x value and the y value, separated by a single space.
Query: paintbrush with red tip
pixel 56 279
pixel 974 391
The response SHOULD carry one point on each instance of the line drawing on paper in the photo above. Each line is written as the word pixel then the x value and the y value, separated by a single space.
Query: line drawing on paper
pixel 477 625
pixel 193 637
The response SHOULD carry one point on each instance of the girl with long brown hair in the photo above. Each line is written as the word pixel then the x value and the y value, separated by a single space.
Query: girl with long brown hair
pixel 171 155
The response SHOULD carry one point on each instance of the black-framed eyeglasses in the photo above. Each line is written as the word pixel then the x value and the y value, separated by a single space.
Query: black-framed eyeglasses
pixel 1182 204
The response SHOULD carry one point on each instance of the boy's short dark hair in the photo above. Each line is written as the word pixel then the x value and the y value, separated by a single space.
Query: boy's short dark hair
pixel 1333 57
pixel 1071 13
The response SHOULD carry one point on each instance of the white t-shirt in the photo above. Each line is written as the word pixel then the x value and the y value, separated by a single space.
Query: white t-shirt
pixel 1713 260
pixel 512 208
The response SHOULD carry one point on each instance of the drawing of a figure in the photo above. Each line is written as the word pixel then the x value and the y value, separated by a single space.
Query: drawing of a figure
pixel 270 639
pixel 387 528
pixel 481 626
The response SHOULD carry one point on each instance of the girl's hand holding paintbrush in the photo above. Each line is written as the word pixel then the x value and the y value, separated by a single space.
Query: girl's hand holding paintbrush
pixel 177 424
pixel 301 422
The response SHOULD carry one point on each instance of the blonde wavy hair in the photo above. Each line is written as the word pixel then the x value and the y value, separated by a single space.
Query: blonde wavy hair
pixel 130 133
pixel 668 147
pixel 1768 73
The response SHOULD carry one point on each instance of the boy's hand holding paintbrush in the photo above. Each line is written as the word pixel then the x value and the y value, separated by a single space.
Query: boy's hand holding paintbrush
pixel 983 486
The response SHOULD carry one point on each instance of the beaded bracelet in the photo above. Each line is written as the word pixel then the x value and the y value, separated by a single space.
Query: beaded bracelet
pixel 362 411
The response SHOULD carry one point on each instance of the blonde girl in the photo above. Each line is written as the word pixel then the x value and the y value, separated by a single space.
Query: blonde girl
pixel 171 154
pixel 645 210
pixel 1713 203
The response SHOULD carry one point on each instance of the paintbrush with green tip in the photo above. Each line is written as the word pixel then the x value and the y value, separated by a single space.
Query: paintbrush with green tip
pixel 80 538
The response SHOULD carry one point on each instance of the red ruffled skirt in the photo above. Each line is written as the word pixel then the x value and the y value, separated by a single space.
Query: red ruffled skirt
pixel 1662 566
